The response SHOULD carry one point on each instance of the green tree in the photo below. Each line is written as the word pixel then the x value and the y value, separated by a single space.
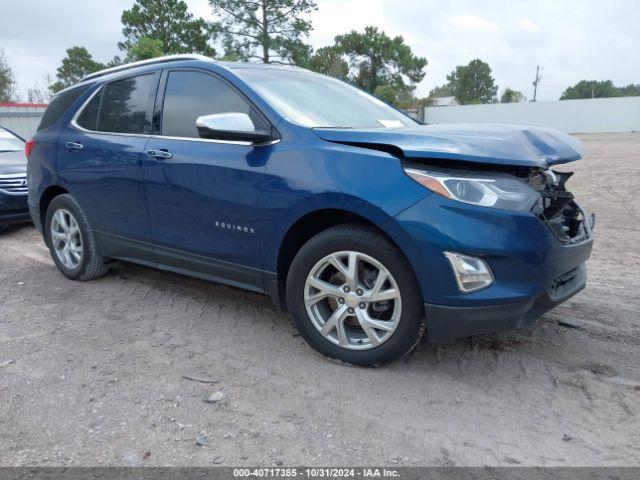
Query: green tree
pixel 264 30
pixel 473 83
pixel 329 61
pixel 441 91
pixel 631 90
pixel 387 94
pixel 300 53
pixel 75 65
pixel 144 49
pixel 591 89
pixel 7 80
pixel 599 89
pixel 375 59
pixel 167 22
pixel 511 96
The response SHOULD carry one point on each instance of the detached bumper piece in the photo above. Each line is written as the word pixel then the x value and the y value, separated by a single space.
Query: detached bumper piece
pixel 445 323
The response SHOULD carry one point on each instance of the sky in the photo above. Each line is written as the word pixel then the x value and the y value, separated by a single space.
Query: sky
pixel 570 40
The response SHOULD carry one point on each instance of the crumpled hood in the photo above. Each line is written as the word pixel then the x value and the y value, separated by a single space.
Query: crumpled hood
pixel 13 162
pixel 500 144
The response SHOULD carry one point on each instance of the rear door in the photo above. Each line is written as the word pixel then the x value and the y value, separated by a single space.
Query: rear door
pixel 100 160
pixel 203 195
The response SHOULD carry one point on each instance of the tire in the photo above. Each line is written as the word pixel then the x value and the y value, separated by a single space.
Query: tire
pixel 358 341
pixel 90 263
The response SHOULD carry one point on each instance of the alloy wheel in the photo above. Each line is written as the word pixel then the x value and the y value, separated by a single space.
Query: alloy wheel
pixel 353 300
pixel 66 238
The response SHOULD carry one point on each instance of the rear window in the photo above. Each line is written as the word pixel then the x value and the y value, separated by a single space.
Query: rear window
pixel 88 118
pixel 59 104
pixel 124 105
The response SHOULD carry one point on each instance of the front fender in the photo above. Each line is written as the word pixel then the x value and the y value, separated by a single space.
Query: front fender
pixel 330 201
pixel 311 175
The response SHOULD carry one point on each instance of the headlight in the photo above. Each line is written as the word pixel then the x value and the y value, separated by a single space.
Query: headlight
pixel 497 191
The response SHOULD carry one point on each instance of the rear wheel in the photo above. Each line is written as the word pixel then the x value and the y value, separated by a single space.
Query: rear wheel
pixel 354 297
pixel 71 241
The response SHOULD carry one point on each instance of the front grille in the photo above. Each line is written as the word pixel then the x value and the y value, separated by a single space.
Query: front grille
pixel 556 207
pixel 15 183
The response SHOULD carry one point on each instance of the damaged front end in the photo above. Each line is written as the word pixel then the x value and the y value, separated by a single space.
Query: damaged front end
pixel 541 191
pixel 557 208
pixel 521 253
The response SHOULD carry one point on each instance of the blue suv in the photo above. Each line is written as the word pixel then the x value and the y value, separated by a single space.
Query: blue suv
pixel 369 227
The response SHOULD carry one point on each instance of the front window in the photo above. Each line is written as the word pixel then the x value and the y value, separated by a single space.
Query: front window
pixel 314 100
pixel 190 95
pixel 9 142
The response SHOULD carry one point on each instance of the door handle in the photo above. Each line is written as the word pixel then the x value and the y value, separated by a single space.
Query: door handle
pixel 74 146
pixel 160 154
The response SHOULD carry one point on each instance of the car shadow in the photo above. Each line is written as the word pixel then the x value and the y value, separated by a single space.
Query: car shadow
pixel 485 349
pixel 9 229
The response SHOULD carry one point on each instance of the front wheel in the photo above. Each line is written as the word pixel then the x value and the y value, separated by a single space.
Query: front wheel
pixel 354 297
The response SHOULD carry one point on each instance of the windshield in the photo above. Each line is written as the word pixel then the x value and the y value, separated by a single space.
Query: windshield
pixel 9 143
pixel 315 100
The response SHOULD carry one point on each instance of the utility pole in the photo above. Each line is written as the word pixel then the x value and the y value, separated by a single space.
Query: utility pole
pixel 535 83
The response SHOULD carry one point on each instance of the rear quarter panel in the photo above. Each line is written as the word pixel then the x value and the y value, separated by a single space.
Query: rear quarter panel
pixel 41 168
pixel 42 164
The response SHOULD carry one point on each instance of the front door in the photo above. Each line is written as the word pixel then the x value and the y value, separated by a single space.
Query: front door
pixel 203 195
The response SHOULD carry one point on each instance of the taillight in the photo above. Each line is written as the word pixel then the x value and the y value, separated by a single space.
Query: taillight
pixel 29 146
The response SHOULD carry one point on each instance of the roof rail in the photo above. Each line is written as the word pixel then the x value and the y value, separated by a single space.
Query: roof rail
pixel 141 63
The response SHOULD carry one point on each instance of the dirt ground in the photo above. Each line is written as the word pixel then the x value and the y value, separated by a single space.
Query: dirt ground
pixel 94 373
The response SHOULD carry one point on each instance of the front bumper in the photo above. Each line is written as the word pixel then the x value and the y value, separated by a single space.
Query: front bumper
pixel 533 270
pixel 448 323
pixel 13 209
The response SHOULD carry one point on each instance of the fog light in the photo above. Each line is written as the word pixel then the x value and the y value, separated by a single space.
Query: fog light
pixel 471 273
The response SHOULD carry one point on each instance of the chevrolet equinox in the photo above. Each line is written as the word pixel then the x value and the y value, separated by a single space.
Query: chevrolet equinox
pixel 371 228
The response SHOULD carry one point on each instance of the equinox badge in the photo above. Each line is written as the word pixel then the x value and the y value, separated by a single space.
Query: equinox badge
pixel 235 227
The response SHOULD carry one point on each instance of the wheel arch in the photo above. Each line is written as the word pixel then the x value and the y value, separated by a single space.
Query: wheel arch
pixel 47 196
pixel 308 226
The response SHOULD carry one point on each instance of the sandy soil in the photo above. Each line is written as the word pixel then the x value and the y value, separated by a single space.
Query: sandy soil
pixel 93 373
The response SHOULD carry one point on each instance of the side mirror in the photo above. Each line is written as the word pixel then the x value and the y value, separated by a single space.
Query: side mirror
pixel 231 127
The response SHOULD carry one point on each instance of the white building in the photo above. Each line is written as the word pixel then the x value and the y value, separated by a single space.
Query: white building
pixel 444 102
pixel 21 118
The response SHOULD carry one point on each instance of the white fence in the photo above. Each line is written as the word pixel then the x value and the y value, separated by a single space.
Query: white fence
pixel 21 118
pixel 620 114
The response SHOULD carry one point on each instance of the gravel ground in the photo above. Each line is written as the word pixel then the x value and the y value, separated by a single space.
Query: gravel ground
pixel 94 373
